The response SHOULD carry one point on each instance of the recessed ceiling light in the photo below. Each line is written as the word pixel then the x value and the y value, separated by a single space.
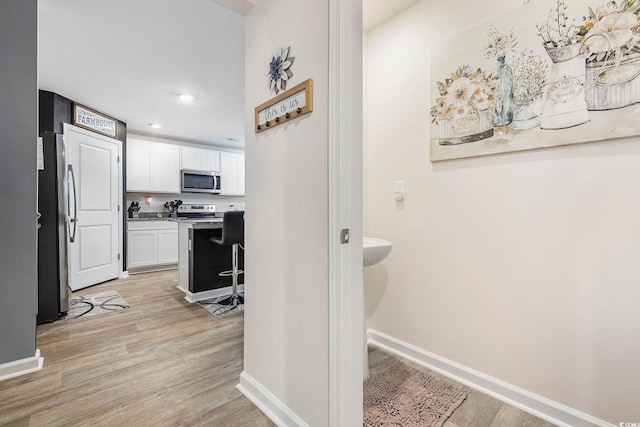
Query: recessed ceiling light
pixel 155 125
pixel 185 97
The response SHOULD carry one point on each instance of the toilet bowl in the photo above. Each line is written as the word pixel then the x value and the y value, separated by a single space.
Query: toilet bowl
pixel 374 250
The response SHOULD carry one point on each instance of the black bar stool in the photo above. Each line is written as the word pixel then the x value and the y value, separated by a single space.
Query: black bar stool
pixel 232 234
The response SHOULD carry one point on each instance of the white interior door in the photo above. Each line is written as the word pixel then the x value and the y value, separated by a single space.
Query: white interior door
pixel 94 177
pixel 346 292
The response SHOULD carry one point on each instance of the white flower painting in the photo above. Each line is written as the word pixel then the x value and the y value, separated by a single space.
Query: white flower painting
pixel 553 72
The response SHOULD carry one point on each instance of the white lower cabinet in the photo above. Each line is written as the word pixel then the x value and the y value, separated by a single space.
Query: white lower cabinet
pixel 167 246
pixel 151 244
pixel 141 248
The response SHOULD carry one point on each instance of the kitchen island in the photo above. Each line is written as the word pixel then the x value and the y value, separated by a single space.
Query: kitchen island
pixel 200 261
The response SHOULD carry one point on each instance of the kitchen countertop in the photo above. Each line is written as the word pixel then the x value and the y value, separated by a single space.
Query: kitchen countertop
pixel 150 216
pixel 193 222
pixel 198 223
pixel 197 220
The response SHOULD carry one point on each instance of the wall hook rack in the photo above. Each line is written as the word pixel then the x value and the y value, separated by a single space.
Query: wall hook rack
pixel 276 111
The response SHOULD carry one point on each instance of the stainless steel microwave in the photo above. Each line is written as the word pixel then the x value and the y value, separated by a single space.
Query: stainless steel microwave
pixel 197 181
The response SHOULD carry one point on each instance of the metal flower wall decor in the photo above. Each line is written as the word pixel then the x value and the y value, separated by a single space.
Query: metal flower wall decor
pixel 279 71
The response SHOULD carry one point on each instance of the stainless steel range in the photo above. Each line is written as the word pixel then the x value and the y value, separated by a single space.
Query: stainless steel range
pixel 198 214
pixel 201 211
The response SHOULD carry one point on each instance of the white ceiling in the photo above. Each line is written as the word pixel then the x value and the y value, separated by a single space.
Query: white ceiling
pixel 128 59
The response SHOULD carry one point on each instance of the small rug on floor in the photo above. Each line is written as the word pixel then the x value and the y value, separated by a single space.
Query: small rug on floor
pixel 405 396
pixel 219 310
pixel 91 305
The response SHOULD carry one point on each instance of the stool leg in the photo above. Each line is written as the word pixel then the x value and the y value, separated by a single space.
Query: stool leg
pixel 234 299
pixel 234 274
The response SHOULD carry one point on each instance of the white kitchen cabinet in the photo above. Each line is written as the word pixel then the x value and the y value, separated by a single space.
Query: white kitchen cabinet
pixel 231 174
pixel 199 159
pixel 167 246
pixel 241 175
pixel 141 248
pixel 153 167
pixel 189 158
pixel 138 166
pixel 166 168
pixel 151 244
pixel 210 160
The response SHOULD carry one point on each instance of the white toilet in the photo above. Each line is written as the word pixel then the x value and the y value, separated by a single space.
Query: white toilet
pixel 374 250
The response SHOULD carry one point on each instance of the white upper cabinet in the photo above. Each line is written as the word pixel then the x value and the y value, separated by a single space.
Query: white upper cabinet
pixel 199 159
pixel 189 158
pixel 153 167
pixel 231 174
pixel 241 174
pixel 210 160
pixel 138 166
pixel 166 168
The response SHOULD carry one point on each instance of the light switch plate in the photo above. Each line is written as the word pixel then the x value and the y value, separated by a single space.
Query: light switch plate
pixel 399 191
pixel 40 155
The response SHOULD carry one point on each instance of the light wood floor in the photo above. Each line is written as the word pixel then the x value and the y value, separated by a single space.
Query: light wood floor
pixel 163 362
pixel 478 409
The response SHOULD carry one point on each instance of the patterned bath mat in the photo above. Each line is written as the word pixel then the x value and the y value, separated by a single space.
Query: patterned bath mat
pixel 91 305
pixel 405 396
pixel 219 310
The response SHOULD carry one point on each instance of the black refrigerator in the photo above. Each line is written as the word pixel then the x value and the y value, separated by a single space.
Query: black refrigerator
pixel 53 192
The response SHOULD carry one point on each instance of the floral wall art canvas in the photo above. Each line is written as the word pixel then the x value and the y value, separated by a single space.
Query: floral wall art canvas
pixel 552 72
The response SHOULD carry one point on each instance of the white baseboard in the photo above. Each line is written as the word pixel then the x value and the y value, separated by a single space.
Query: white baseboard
pixel 270 405
pixel 21 367
pixel 213 293
pixel 538 406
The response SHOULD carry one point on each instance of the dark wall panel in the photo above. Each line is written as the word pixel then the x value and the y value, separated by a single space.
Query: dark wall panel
pixel 18 134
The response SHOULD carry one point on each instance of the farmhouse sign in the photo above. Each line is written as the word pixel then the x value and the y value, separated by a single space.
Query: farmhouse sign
pixel 92 120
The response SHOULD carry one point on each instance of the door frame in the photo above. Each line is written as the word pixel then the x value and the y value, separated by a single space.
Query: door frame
pixel 345 163
pixel 65 128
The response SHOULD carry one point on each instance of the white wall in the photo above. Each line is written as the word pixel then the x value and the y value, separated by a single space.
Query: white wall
pixel 523 266
pixel 286 317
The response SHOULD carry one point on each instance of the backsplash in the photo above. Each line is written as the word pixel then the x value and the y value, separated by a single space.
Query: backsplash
pixel 156 202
